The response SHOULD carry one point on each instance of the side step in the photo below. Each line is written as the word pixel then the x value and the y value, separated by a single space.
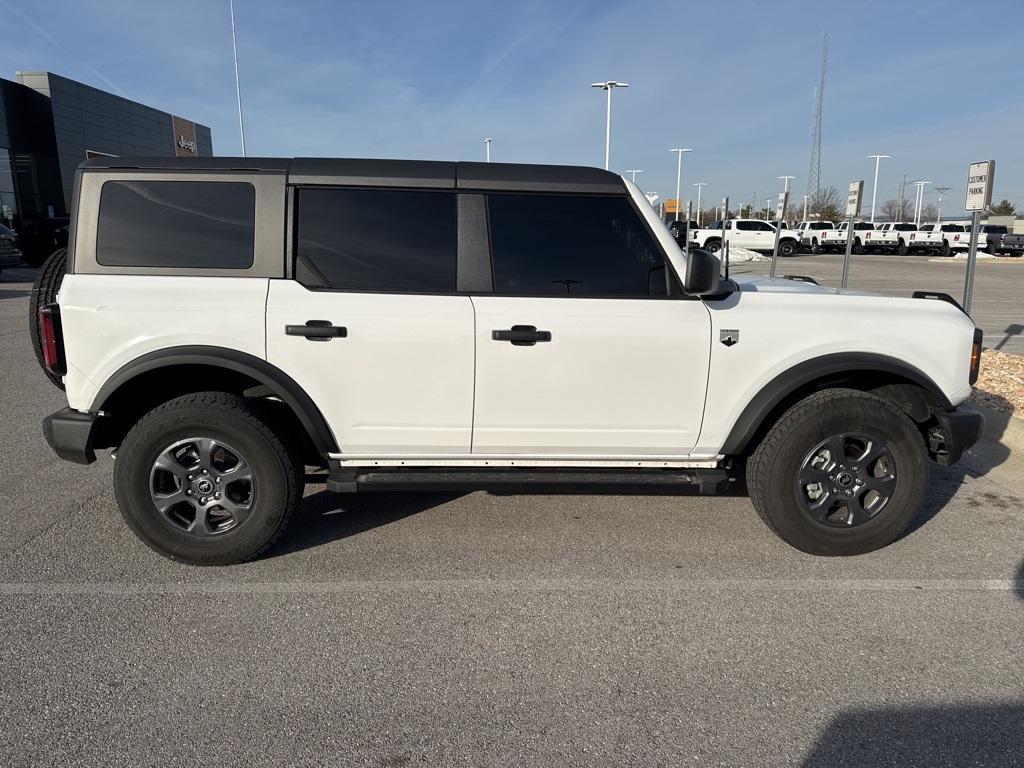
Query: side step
pixel 708 481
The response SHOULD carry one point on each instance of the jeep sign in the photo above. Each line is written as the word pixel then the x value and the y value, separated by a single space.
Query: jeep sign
pixel 186 143
pixel 979 185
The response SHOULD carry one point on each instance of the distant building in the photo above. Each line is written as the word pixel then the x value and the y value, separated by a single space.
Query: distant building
pixel 49 124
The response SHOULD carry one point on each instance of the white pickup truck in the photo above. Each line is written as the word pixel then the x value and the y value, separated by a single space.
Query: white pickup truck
pixel 911 238
pixel 955 237
pixel 752 234
pixel 810 233
pixel 882 238
pixel 835 239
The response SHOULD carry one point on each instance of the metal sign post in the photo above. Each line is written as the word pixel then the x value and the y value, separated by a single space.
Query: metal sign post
pixel 853 200
pixel 725 242
pixel 686 229
pixel 780 214
pixel 979 198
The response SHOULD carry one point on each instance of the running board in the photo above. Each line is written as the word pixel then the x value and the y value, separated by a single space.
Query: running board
pixel 707 481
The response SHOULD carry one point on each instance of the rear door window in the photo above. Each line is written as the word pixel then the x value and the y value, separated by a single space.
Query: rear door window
pixel 378 240
pixel 189 224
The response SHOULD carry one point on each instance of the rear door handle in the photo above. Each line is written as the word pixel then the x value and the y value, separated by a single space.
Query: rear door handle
pixel 317 330
pixel 522 335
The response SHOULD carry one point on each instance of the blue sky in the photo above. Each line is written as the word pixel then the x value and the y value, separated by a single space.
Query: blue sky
pixel 935 83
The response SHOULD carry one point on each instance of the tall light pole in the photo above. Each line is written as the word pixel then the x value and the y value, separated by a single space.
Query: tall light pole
pixel 874 189
pixel 938 210
pixel 767 208
pixel 919 200
pixel 608 85
pixel 487 148
pixel 679 176
pixel 700 188
pixel 786 180
pixel 238 87
pixel 633 172
pixel 806 198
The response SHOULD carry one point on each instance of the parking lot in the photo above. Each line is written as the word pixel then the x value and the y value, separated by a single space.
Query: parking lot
pixel 433 629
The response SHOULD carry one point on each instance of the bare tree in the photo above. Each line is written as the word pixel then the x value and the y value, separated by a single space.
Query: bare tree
pixel 1004 208
pixel 826 204
pixel 896 210
pixel 929 213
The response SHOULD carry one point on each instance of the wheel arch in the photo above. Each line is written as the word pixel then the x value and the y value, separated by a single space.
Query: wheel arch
pixel 909 388
pixel 130 389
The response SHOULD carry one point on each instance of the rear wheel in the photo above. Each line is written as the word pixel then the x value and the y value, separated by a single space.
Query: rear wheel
pixel 44 291
pixel 857 246
pixel 901 248
pixel 815 246
pixel 203 480
pixel 841 473
pixel 945 250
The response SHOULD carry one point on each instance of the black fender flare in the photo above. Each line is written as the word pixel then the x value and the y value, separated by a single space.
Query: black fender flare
pixel 277 381
pixel 800 375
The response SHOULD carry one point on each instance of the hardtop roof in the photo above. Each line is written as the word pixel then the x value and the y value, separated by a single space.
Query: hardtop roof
pixel 391 173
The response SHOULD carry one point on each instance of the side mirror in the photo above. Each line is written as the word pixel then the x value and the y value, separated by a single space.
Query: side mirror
pixel 702 272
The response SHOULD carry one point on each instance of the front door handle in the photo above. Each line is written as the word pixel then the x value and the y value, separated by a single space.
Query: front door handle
pixel 317 330
pixel 522 335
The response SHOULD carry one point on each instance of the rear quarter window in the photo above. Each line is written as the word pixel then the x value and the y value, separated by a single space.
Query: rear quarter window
pixel 188 224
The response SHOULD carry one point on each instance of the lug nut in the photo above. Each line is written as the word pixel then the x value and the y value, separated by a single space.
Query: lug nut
pixel 217 480
pixel 205 472
pixel 202 500
pixel 188 491
pixel 831 477
pixel 216 495
pixel 191 477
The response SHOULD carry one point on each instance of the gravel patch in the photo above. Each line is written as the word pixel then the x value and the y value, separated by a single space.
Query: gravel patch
pixel 1001 383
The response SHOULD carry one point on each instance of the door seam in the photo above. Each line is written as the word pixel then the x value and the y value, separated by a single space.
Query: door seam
pixel 472 408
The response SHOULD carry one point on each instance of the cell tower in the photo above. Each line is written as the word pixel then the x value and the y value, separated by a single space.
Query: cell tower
pixel 814 172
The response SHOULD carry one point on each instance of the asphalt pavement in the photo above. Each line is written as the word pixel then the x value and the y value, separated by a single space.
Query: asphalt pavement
pixel 478 629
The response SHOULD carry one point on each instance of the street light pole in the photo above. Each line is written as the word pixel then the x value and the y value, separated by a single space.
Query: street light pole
pixel 238 87
pixel 875 189
pixel 608 85
pixel 919 201
pixel 633 172
pixel 942 193
pixel 786 180
pixel 700 188
pixel 679 176
pixel 487 148
pixel 806 197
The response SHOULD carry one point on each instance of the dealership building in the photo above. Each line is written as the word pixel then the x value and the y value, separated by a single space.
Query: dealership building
pixel 49 124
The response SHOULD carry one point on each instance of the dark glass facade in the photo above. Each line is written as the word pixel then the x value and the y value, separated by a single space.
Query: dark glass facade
pixel 49 124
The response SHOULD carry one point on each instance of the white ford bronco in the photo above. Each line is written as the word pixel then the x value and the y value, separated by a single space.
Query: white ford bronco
pixel 221 324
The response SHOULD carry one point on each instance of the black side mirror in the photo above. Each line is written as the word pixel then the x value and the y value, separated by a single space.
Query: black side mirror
pixel 702 272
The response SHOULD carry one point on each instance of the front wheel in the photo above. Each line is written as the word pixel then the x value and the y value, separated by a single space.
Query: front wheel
pixel 787 248
pixel 202 479
pixel 713 246
pixel 841 473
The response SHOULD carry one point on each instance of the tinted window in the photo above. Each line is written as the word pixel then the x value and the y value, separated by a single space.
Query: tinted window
pixel 384 240
pixel 754 226
pixel 820 225
pixel 904 227
pixel 863 225
pixel 952 228
pixel 995 229
pixel 579 246
pixel 200 224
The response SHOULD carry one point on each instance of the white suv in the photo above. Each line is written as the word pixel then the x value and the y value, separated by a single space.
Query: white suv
pixel 223 323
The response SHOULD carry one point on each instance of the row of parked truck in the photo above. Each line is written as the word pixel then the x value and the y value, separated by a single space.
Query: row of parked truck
pixel 825 237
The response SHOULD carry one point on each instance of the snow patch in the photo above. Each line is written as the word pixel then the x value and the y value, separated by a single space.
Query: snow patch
pixel 739 255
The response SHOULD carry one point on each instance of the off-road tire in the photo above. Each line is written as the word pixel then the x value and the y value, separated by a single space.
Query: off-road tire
pixel 226 418
pixel 858 247
pixel 773 468
pixel 713 246
pixel 44 291
pixel 901 248
pixel 787 248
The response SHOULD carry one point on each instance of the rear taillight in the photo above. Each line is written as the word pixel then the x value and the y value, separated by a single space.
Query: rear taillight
pixel 52 338
pixel 976 355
